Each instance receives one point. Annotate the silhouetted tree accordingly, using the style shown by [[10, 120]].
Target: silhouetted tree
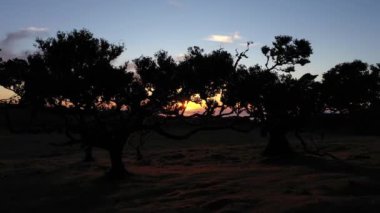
[[351, 87], [159, 78], [205, 75], [375, 86], [74, 72], [198, 77], [12, 76], [275, 101]]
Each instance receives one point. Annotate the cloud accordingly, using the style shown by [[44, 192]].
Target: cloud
[[131, 67], [179, 57], [36, 29], [22, 34], [224, 38], [7, 45]]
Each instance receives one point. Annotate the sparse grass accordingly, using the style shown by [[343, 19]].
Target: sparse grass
[[211, 172]]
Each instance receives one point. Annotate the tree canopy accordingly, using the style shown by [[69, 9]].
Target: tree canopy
[[351, 86]]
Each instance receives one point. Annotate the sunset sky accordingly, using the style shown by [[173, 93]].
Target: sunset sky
[[339, 30]]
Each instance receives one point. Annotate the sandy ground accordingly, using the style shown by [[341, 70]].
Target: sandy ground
[[211, 172]]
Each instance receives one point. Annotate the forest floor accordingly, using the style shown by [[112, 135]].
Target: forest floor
[[219, 171]]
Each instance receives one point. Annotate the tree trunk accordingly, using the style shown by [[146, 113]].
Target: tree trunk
[[278, 144], [117, 169], [9, 121], [115, 149], [88, 157]]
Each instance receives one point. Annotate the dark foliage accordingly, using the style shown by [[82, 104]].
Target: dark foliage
[[351, 87]]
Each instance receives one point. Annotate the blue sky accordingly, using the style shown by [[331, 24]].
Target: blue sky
[[339, 30]]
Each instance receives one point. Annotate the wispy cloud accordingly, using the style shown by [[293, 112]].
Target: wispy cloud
[[22, 34], [12, 38], [224, 38]]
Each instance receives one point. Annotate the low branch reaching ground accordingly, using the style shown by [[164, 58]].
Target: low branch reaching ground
[[161, 131], [313, 152]]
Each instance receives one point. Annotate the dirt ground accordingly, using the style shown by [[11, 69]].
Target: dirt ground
[[219, 171]]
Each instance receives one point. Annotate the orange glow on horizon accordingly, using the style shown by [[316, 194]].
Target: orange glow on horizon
[[192, 107], [6, 93]]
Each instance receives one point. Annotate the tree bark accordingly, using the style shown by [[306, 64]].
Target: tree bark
[[88, 156], [278, 144], [115, 149], [117, 169]]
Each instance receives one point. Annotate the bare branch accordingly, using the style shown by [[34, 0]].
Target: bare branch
[[241, 55]]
